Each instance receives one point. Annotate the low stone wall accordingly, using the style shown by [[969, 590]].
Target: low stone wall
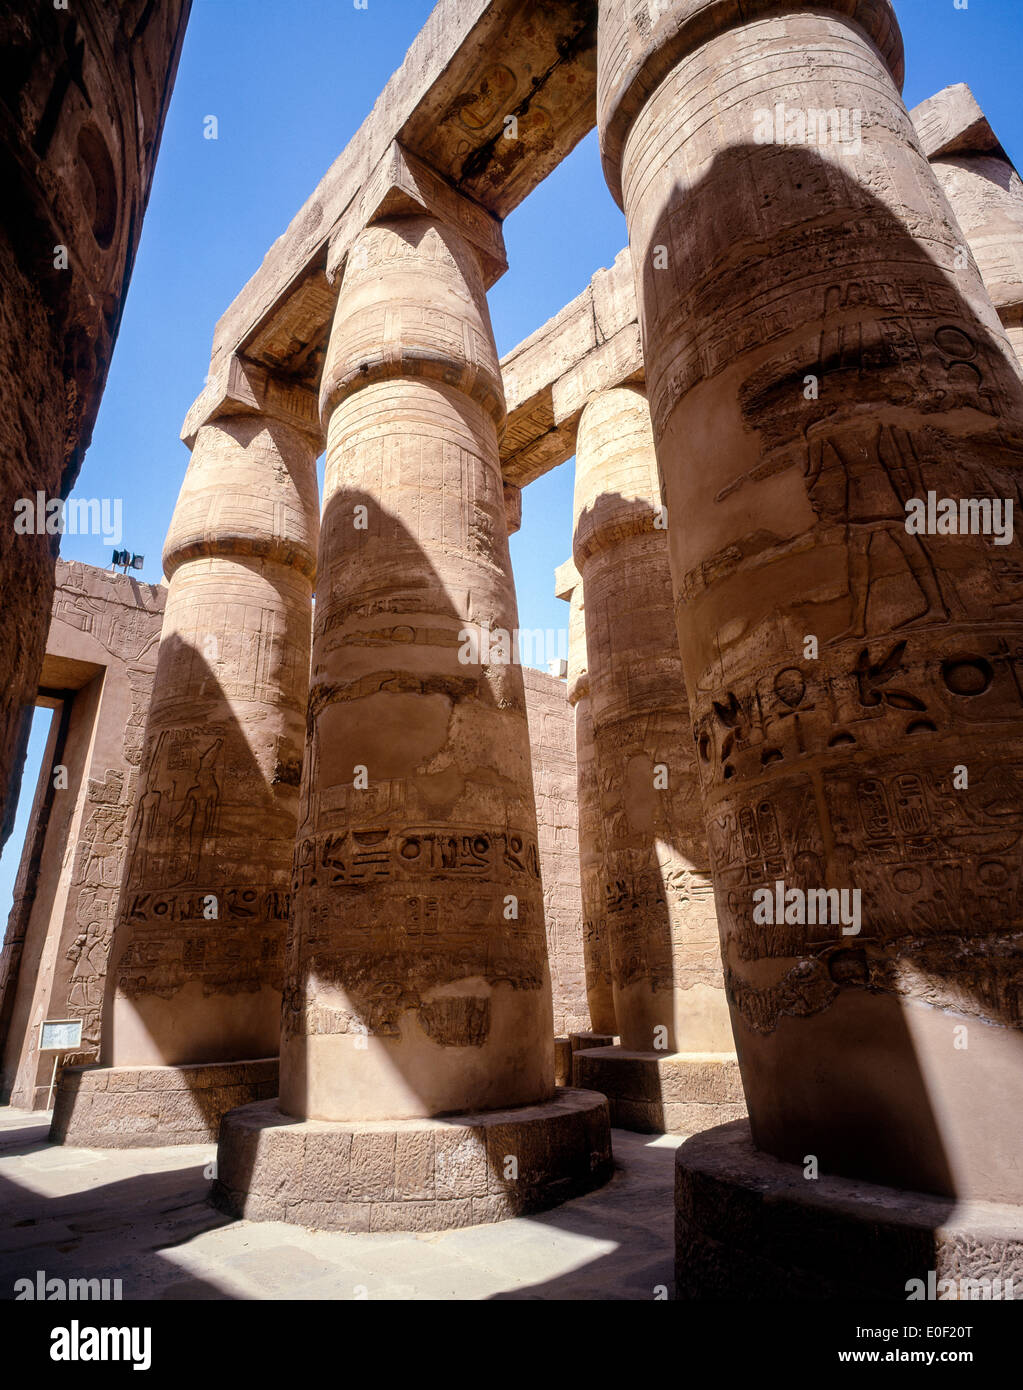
[[663, 1093], [748, 1226], [139, 1107]]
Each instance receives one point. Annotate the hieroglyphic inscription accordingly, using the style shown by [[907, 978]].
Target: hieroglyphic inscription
[[366, 925]]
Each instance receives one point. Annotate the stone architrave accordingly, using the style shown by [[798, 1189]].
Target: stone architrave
[[596, 953], [984, 191], [417, 976], [658, 909], [815, 361], [196, 968]]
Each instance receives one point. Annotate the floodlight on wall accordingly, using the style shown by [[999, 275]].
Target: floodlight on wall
[[126, 560]]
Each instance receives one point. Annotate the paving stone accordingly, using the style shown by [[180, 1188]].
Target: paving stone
[[122, 1214]]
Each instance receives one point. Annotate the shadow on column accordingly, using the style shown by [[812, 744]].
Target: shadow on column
[[195, 968], [371, 955], [839, 1037]]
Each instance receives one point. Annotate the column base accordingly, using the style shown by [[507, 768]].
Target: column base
[[749, 1226], [411, 1175], [147, 1107], [663, 1092], [580, 1041], [562, 1061]]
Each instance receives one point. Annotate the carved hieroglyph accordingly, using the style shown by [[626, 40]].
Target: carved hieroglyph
[[198, 957], [101, 653], [417, 968], [658, 896], [892, 1054], [596, 950]]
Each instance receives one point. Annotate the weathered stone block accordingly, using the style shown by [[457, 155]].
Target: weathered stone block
[[329, 1216], [371, 1174], [394, 1156], [325, 1167], [186, 1102], [663, 1093], [414, 1164], [461, 1162], [750, 1226], [562, 1062], [422, 1216]]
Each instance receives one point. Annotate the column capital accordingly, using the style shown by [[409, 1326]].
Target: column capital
[[617, 491], [413, 304], [639, 42], [403, 186], [249, 493], [241, 387]]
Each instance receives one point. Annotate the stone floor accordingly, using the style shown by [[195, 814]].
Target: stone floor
[[141, 1216]]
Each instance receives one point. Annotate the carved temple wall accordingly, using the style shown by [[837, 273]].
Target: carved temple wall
[[97, 676]]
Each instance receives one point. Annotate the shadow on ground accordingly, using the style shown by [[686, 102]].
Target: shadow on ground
[[72, 1215], [144, 1217]]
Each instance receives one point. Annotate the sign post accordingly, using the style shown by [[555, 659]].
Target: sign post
[[59, 1035]]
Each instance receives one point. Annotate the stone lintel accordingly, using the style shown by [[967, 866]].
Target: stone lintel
[[566, 578], [951, 122], [592, 345], [750, 1226], [473, 64], [615, 363], [415, 1174], [403, 185], [241, 387], [663, 1092]]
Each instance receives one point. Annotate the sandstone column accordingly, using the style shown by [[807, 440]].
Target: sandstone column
[[984, 191], [654, 875], [197, 962], [418, 983], [832, 764], [596, 953], [552, 752], [401, 922]]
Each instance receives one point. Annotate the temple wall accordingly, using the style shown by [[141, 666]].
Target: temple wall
[[98, 675]]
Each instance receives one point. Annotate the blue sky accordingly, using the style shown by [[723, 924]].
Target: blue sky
[[290, 81]]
